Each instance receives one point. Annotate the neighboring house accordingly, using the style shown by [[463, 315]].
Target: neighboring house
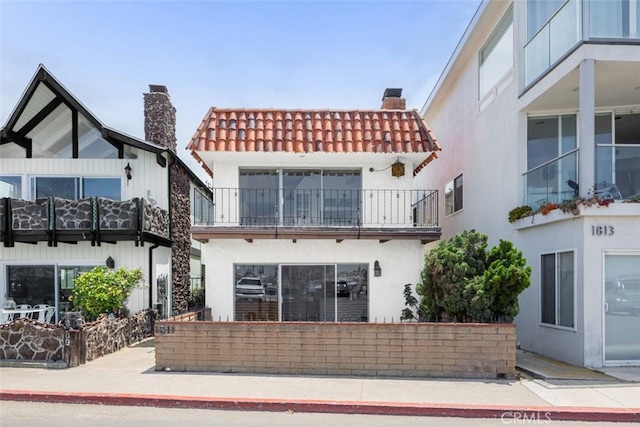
[[315, 213], [539, 103], [77, 194]]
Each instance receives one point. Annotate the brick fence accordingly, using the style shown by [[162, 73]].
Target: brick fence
[[360, 349]]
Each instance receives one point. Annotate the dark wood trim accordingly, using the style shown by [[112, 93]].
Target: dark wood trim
[[40, 116], [205, 233], [74, 134]]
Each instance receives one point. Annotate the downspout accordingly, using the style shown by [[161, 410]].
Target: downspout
[[151, 274]]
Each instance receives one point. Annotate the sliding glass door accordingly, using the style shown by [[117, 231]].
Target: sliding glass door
[[308, 293]]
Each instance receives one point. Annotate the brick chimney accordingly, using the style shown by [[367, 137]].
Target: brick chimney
[[159, 117], [392, 100]]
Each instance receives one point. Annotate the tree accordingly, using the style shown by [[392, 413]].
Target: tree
[[465, 282], [103, 291]]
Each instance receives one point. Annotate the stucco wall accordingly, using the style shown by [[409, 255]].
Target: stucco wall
[[401, 262], [407, 350]]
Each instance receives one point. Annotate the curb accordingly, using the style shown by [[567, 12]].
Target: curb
[[510, 413]]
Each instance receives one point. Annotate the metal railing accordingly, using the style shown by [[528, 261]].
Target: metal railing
[[253, 207]]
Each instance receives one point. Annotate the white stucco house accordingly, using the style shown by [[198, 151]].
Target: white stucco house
[[75, 193], [316, 216], [540, 103]]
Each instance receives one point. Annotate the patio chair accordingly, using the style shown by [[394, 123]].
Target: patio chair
[[42, 316], [23, 307], [6, 317], [51, 312]]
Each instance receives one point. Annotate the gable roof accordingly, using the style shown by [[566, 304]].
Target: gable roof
[[308, 131], [44, 94]]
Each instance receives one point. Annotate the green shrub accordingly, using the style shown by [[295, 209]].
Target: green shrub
[[464, 282], [519, 213], [103, 291]]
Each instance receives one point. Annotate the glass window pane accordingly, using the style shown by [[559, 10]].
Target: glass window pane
[[548, 286], [609, 18], [352, 292], [259, 197], [457, 193], [569, 138], [537, 55], [448, 198], [11, 186], [539, 12], [109, 188], [308, 293], [302, 197], [565, 289], [622, 309], [31, 284], [563, 31], [603, 129], [341, 197], [91, 145], [496, 58], [65, 188], [542, 140], [52, 136], [256, 292], [67, 275]]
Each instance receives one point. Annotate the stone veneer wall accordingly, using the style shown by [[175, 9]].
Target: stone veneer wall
[[29, 340], [369, 349], [160, 128], [25, 339]]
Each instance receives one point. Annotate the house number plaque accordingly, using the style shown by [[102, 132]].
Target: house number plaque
[[602, 230], [162, 330]]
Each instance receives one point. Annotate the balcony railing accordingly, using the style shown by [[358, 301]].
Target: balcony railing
[[242, 207], [93, 219]]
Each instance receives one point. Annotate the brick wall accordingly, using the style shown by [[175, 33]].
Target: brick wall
[[363, 349]]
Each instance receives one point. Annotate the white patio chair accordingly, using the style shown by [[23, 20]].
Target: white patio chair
[[51, 312], [42, 316], [23, 307], [6, 317]]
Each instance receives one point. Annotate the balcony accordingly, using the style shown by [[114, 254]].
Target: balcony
[[251, 213], [93, 219]]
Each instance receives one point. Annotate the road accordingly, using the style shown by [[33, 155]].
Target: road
[[18, 414]]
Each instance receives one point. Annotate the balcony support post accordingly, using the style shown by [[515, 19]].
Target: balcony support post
[[586, 127]]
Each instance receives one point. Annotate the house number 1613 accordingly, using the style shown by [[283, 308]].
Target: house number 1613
[[602, 230]]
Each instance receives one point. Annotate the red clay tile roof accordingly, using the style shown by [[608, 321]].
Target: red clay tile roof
[[307, 131]]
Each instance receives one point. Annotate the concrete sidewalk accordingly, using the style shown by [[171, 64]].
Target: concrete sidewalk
[[128, 378]]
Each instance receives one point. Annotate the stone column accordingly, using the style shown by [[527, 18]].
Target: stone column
[[160, 128]]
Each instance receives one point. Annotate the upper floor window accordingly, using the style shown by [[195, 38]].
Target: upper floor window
[[618, 19], [552, 154], [75, 188], [453, 195], [496, 57], [539, 12], [553, 27]]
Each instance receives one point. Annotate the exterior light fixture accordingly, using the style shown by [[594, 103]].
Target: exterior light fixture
[[377, 271], [127, 171], [110, 263]]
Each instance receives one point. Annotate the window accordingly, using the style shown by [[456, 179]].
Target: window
[[11, 186], [453, 196], [322, 293], [309, 196], [557, 283], [496, 57], [75, 188], [539, 12], [552, 155], [617, 138]]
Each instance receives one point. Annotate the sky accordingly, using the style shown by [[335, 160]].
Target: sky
[[251, 54]]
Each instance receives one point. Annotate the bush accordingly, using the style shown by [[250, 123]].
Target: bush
[[103, 291], [463, 282]]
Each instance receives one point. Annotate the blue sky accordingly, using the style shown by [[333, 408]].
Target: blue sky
[[265, 54]]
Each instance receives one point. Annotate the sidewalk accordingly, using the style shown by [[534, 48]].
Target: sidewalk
[[128, 378]]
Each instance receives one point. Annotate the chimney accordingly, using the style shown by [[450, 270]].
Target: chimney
[[392, 100], [159, 117]]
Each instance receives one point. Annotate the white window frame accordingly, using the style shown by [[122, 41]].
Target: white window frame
[[556, 325], [452, 185], [31, 179]]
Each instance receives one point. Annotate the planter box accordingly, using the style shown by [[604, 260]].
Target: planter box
[[426, 350]]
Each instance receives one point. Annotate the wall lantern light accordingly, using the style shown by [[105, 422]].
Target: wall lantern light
[[110, 263], [127, 171], [377, 271]]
